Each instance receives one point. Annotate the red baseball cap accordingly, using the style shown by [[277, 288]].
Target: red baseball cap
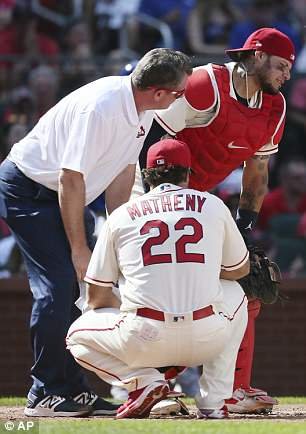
[[169, 152], [269, 40]]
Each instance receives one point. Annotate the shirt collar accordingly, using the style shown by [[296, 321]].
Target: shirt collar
[[166, 187], [128, 101]]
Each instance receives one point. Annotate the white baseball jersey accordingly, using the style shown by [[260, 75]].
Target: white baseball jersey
[[94, 130], [182, 115], [170, 245]]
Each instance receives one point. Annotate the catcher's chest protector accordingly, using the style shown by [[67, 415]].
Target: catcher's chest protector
[[233, 136]]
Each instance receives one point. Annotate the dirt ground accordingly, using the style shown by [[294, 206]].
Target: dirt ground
[[280, 412]]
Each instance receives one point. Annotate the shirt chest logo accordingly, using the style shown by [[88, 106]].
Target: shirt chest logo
[[141, 132]]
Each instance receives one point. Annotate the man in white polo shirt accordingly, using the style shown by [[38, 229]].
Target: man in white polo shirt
[[171, 245], [86, 144]]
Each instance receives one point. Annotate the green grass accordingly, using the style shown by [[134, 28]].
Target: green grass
[[12, 401], [19, 401], [292, 400], [156, 426]]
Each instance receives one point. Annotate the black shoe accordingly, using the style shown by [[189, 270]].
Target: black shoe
[[55, 406], [100, 407]]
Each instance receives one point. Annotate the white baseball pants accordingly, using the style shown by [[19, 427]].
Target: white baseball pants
[[124, 349]]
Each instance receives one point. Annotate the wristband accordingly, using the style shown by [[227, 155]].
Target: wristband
[[246, 219]]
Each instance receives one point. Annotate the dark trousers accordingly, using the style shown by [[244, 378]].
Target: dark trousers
[[32, 212]]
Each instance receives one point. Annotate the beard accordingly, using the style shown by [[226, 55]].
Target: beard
[[268, 88], [263, 79]]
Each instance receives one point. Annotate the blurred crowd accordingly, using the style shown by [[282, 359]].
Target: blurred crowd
[[49, 48]]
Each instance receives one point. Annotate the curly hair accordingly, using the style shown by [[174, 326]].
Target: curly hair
[[172, 174]]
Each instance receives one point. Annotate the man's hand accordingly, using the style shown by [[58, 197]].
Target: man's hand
[[80, 259]]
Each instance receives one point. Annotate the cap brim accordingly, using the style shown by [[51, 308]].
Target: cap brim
[[235, 54]]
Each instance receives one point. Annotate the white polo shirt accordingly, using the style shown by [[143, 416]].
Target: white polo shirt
[[95, 130], [170, 245]]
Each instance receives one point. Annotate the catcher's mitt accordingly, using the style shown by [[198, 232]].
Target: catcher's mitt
[[263, 280]]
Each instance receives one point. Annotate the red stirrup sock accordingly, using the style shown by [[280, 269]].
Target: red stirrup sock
[[245, 355]]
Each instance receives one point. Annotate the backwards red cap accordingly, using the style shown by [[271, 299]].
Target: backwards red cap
[[169, 152], [269, 40]]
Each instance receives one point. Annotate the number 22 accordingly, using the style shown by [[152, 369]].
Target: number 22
[[180, 245]]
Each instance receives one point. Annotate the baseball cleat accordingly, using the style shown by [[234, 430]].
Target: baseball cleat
[[99, 406], [170, 407], [55, 406], [141, 401], [250, 401], [166, 407], [221, 413], [119, 393]]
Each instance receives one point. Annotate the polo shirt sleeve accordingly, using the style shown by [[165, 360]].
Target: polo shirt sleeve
[[87, 140], [234, 253], [103, 269]]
